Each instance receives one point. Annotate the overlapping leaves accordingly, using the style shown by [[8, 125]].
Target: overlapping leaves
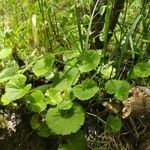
[[15, 89], [118, 87], [68, 79], [7, 73]]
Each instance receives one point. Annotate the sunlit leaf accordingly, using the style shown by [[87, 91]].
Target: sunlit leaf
[[111, 86], [65, 105], [86, 90], [107, 71], [5, 52], [54, 96], [66, 121], [42, 88], [86, 19], [102, 10], [68, 55], [141, 70], [69, 78], [118, 87], [7, 73], [44, 65], [5, 100], [16, 88]]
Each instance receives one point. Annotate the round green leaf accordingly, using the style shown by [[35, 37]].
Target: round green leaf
[[114, 123], [67, 103], [65, 122], [118, 87], [141, 70], [44, 65], [122, 90], [88, 61], [111, 86], [36, 121], [86, 90], [15, 88]]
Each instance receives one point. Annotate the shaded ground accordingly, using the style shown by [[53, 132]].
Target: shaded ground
[[135, 134], [23, 138]]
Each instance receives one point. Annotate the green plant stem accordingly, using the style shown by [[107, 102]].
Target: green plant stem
[[90, 24], [79, 27], [96, 117]]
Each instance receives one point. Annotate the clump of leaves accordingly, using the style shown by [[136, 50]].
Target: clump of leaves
[[15, 89], [65, 115]]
